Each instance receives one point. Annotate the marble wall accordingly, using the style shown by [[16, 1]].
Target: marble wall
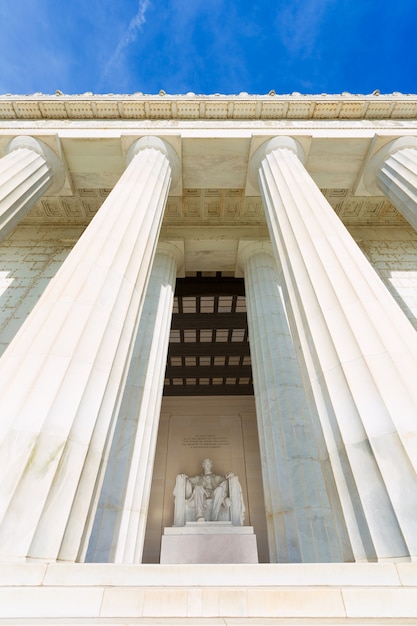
[[29, 258], [393, 254]]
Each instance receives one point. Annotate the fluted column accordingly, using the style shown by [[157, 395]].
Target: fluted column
[[27, 171], [393, 170], [301, 527], [360, 351], [119, 528], [60, 377]]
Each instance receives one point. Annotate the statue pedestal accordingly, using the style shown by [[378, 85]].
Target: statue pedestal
[[209, 542]]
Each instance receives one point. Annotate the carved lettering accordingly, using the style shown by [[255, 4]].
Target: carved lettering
[[206, 441]]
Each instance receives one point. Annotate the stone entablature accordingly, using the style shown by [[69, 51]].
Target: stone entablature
[[213, 206], [214, 107]]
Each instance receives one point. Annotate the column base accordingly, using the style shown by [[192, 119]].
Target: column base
[[209, 542]]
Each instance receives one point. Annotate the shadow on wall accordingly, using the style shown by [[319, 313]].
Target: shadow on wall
[[29, 258], [396, 264]]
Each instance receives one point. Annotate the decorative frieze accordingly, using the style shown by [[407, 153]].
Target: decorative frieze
[[192, 106], [226, 206]]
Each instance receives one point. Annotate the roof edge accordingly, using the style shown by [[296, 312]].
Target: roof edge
[[191, 106]]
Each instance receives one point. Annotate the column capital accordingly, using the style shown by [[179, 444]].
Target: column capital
[[156, 143], [377, 161], [248, 247], [51, 158], [276, 143], [175, 249]]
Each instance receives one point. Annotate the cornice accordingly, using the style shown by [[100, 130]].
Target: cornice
[[272, 106]]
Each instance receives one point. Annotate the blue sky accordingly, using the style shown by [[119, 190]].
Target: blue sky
[[208, 46]]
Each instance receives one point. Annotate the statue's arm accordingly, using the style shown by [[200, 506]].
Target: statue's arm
[[224, 481]]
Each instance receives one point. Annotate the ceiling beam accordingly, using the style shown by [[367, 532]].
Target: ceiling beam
[[210, 286], [208, 371], [208, 390], [200, 321], [209, 348]]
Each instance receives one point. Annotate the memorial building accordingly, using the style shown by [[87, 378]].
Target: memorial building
[[208, 372]]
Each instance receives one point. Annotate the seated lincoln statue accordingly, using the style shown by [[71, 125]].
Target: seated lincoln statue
[[208, 498]]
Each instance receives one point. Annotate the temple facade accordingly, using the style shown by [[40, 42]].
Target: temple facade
[[231, 278]]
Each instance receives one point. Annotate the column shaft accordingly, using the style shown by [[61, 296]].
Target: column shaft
[[26, 173], [60, 376], [119, 527], [361, 353], [300, 524], [397, 178]]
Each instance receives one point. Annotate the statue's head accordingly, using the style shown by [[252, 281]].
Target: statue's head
[[207, 464]]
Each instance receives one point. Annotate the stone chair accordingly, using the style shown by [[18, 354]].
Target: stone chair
[[232, 509]]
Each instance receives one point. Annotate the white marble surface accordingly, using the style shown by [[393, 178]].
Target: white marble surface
[[208, 547], [259, 575], [397, 178], [360, 352], [119, 528], [331, 594], [27, 171], [302, 519], [70, 356]]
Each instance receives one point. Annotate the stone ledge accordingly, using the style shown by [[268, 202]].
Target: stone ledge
[[217, 575], [254, 605], [351, 593], [208, 528]]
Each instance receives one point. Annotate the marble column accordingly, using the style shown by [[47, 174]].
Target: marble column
[[301, 526], [393, 170], [27, 171], [119, 527], [360, 353], [61, 376]]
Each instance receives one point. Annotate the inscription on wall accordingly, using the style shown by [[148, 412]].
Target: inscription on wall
[[205, 441]]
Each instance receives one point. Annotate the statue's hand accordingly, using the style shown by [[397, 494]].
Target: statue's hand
[[229, 475], [183, 475]]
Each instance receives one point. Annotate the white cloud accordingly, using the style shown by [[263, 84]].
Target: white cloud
[[299, 24], [130, 35]]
